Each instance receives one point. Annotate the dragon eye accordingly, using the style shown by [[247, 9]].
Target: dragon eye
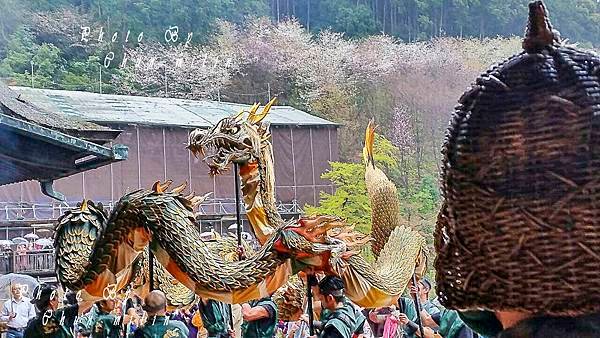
[[235, 129]]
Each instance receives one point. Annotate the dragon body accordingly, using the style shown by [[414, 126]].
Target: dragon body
[[96, 250], [247, 142], [178, 295], [383, 196], [92, 256]]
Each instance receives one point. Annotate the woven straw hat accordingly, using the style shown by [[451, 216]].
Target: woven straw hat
[[520, 225]]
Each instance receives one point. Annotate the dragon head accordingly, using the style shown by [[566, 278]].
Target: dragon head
[[232, 139]]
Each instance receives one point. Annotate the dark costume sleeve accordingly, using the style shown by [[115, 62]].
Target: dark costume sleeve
[[139, 333], [128, 305], [71, 311], [331, 332], [465, 332], [360, 322], [270, 309]]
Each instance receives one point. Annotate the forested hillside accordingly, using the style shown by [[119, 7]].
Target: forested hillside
[[409, 20]]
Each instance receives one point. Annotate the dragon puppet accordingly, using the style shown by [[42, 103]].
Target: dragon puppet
[[98, 251], [76, 235], [246, 140]]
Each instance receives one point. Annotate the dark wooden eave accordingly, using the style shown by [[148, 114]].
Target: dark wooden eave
[[32, 147]]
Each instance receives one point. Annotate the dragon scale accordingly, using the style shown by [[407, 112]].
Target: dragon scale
[[258, 193], [383, 195]]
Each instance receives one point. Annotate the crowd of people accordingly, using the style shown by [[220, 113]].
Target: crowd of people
[[335, 316], [26, 256]]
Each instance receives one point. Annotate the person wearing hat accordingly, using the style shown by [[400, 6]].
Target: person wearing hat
[[325, 313], [209, 236], [339, 320], [51, 321], [232, 230], [106, 324], [517, 237], [17, 312], [260, 318], [424, 287], [158, 324]]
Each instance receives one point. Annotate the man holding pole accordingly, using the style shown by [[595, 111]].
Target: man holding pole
[[17, 311], [260, 318], [214, 316]]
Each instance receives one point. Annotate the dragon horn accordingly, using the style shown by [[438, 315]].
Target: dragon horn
[[179, 188], [157, 188], [259, 117], [166, 185], [196, 200], [253, 109], [84, 205], [238, 117], [252, 112]]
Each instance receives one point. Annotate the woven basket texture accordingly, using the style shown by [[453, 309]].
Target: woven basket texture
[[520, 225]]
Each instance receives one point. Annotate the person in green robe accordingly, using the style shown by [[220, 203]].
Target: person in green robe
[[260, 318], [451, 326], [158, 324], [424, 287], [214, 316], [408, 316], [85, 323], [446, 323], [51, 321], [359, 317], [338, 318], [106, 325]]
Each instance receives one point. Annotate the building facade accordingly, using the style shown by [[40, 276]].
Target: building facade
[[156, 132]]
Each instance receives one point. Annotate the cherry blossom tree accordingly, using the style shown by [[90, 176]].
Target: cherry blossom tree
[[181, 71], [409, 88]]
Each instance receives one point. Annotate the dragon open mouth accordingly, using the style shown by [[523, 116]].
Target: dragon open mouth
[[234, 139], [218, 151]]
